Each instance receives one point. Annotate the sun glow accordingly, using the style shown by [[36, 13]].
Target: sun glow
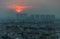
[[17, 8]]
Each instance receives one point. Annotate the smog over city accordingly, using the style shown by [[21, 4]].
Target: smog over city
[[29, 19], [38, 6]]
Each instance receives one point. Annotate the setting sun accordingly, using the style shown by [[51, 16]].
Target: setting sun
[[17, 8]]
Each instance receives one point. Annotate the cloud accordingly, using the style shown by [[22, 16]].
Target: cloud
[[34, 3], [17, 8]]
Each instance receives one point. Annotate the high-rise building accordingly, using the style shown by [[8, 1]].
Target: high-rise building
[[42, 18]]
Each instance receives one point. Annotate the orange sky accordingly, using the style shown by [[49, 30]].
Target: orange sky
[[16, 5], [17, 8]]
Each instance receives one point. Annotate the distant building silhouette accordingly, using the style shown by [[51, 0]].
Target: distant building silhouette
[[41, 18]]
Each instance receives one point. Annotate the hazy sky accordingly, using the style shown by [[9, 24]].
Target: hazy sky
[[38, 7]]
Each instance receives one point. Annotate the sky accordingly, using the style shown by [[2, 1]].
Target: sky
[[38, 7]]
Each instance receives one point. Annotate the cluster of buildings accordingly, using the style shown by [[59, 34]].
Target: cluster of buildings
[[28, 31], [33, 26], [20, 17]]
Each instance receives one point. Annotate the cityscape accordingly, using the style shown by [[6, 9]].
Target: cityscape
[[29, 19], [32, 26]]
